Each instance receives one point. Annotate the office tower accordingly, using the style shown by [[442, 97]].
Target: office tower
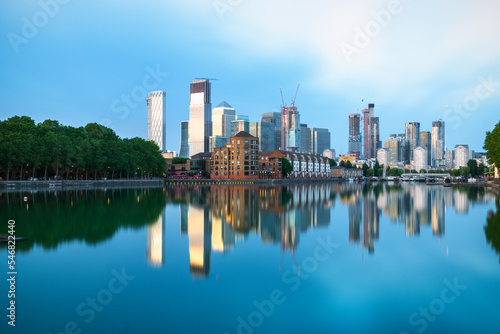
[[156, 241], [393, 147], [449, 157], [371, 132], [383, 156], [329, 153], [184, 150], [265, 132], [412, 136], [222, 116], [200, 116], [461, 156], [216, 141], [305, 139], [157, 119], [471, 155], [425, 141], [354, 134], [290, 128], [320, 140], [420, 158], [275, 119], [438, 143], [241, 123]]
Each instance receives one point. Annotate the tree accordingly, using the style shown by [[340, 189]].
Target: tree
[[342, 163], [422, 171], [370, 172], [365, 169], [376, 168], [179, 161], [348, 164], [492, 145], [472, 164], [333, 163], [286, 167]]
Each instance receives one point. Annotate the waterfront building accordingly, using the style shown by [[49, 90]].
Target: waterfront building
[[200, 116], [354, 134], [320, 140], [449, 158], [346, 173], [184, 150], [157, 122], [420, 158], [461, 156], [412, 137], [238, 160], [305, 139], [438, 143], [290, 128], [426, 142], [383, 156]]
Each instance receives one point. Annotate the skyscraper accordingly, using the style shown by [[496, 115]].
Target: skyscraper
[[222, 116], [354, 134], [320, 140], [157, 119], [461, 156], [241, 123], [412, 137], [438, 143], [275, 119], [371, 132], [420, 158], [184, 150], [305, 139], [265, 132], [290, 128], [425, 142], [383, 156], [200, 116]]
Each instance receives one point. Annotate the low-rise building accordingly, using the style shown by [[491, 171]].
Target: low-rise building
[[346, 173], [270, 165]]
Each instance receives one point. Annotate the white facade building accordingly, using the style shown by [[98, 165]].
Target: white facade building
[[157, 119], [461, 156], [420, 156]]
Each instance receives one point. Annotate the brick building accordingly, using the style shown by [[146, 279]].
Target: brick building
[[238, 160], [270, 165]]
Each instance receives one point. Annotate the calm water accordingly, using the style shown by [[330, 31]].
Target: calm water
[[318, 258]]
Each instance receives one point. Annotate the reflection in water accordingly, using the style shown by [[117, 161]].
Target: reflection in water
[[156, 242], [216, 218]]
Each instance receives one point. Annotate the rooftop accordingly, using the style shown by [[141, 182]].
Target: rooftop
[[224, 104]]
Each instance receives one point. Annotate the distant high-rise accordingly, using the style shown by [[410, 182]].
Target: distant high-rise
[[290, 128], [371, 132], [354, 134], [265, 132], [383, 156], [420, 158], [412, 136], [320, 140], [200, 116], [305, 139], [222, 116], [184, 150], [438, 143], [425, 142], [461, 156], [449, 158], [275, 119], [157, 119], [241, 123]]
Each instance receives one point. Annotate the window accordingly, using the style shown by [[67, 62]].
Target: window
[[238, 142], [246, 141]]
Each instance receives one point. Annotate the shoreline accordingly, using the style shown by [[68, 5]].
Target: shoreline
[[79, 184]]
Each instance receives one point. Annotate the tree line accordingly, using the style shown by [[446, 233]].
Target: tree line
[[50, 149]]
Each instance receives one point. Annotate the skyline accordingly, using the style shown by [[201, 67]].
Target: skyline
[[77, 73]]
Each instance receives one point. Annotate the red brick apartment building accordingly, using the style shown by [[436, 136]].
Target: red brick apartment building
[[239, 160]]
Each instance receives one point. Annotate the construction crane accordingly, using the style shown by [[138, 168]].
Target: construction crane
[[295, 98], [283, 116]]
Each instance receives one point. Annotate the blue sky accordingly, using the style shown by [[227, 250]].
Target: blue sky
[[416, 60]]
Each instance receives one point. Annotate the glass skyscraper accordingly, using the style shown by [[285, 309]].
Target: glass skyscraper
[[200, 116], [184, 150], [438, 143], [157, 119]]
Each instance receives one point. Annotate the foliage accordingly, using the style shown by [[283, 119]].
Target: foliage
[[492, 229], [179, 161], [333, 163], [492, 145], [365, 169], [286, 167], [27, 148], [473, 168]]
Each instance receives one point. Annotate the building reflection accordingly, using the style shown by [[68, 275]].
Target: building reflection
[[155, 252], [217, 218]]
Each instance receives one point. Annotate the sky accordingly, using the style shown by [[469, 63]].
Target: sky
[[81, 62]]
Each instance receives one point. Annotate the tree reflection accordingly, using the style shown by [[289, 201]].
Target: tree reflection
[[492, 229]]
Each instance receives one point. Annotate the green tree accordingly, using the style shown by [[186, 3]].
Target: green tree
[[348, 164], [180, 161], [365, 169], [333, 163], [492, 229], [342, 163], [286, 167], [370, 172], [492, 145], [472, 164]]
